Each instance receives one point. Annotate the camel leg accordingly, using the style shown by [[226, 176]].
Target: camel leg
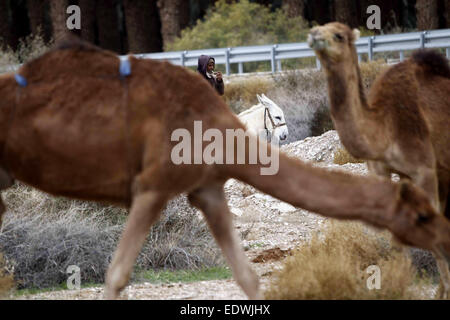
[[444, 287], [379, 168], [444, 273], [144, 212], [444, 197], [2, 211], [427, 179], [211, 201], [6, 181]]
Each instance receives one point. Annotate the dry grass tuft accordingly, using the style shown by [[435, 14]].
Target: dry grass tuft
[[342, 156], [333, 266], [370, 70], [28, 48], [6, 278], [241, 94], [42, 235]]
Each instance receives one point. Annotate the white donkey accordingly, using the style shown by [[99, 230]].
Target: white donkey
[[265, 119]]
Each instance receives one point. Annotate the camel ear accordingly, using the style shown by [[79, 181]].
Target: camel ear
[[356, 34]]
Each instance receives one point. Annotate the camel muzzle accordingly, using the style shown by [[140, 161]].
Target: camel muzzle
[[315, 42]]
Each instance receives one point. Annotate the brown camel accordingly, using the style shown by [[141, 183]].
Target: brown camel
[[402, 126], [78, 129]]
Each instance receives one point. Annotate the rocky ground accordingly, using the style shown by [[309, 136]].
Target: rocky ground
[[268, 228]]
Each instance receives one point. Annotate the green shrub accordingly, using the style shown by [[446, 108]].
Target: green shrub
[[243, 23]]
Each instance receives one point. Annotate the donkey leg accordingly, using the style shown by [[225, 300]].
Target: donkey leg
[[211, 201], [145, 210]]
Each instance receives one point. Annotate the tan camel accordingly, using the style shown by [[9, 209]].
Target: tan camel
[[402, 126], [78, 129]]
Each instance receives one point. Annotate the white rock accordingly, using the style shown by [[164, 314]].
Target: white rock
[[236, 211], [284, 207]]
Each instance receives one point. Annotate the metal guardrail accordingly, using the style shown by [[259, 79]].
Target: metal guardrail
[[277, 52]]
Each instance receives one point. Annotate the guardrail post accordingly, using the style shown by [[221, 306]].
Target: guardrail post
[[402, 56], [279, 65], [182, 58], [359, 58], [227, 61], [272, 58], [318, 64], [422, 39], [370, 51], [241, 67]]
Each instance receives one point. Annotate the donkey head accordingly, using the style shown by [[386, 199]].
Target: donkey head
[[274, 118]]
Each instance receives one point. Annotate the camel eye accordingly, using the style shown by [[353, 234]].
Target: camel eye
[[338, 37], [422, 217]]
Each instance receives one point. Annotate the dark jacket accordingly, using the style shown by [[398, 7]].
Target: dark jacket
[[201, 68]]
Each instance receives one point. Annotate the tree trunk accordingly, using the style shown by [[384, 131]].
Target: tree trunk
[[59, 17], [427, 14], [143, 26], [345, 12], [446, 13], [5, 25], [294, 8], [319, 11], [174, 16], [108, 25], [36, 15], [88, 20]]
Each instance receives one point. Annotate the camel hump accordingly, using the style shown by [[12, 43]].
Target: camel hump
[[71, 57], [71, 42], [432, 61]]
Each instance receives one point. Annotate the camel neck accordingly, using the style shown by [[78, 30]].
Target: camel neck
[[349, 108]]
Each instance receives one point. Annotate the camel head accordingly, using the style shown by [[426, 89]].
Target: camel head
[[333, 42], [277, 114], [416, 223]]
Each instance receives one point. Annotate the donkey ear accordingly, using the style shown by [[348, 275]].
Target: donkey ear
[[356, 34], [259, 99], [265, 99]]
